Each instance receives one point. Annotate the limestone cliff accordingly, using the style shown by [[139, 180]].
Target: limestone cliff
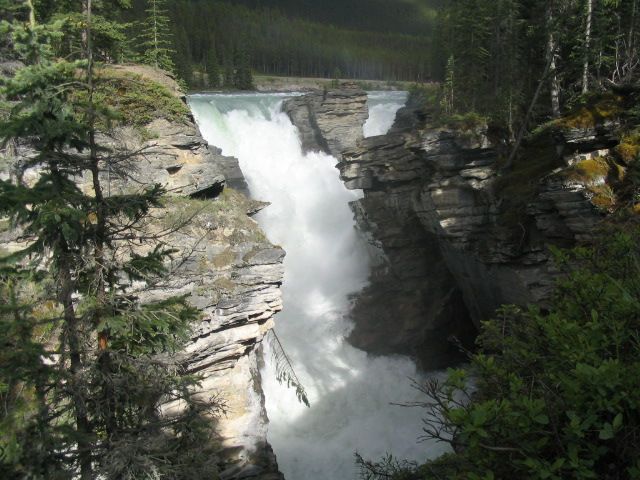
[[493, 226], [461, 234], [223, 262], [331, 120]]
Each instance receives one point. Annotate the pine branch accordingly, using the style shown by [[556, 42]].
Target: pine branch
[[284, 368]]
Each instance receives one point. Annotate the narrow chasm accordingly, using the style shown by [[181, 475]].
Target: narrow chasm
[[351, 393]]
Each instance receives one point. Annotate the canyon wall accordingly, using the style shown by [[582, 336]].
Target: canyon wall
[[223, 263], [461, 234]]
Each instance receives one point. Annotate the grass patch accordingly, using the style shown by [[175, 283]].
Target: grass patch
[[629, 147], [589, 171], [594, 111], [137, 101]]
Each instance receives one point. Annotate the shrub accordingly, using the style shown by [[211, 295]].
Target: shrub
[[555, 394]]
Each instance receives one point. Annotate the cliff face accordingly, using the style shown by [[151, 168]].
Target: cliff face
[[223, 262], [412, 304], [461, 235], [228, 269], [493, 227], [329, 121]]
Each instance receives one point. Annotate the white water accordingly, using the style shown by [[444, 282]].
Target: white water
[[350, 392], [383, 107]]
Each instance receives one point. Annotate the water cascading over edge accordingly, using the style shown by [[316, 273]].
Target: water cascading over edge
[[350, 392]]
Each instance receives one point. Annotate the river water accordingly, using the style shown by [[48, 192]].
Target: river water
[[351, 393]]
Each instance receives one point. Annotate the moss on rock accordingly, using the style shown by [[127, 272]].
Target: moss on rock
[[138, 100]]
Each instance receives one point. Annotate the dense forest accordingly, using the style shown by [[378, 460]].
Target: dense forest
[[513, 59], [280, 44]]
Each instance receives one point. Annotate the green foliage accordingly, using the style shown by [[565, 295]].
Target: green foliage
[[282, 44], [213, 69], [136, 100], [83, 380], [154, 42], [551, 395], [502, 55], [109, 37], [243, 78]]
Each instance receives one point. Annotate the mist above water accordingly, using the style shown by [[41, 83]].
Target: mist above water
[[350, 392]]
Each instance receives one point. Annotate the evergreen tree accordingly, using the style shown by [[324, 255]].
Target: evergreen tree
[[243, 78], [229, 71], [183, 62], [155, 39], [90, 390], [213, 68]]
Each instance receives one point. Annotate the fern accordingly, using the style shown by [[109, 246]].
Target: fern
[[284, 369]]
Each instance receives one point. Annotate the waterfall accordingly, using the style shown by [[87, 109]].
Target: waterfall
[[327, 262], [382, 111]]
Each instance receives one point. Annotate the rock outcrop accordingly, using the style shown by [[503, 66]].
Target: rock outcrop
[[461, 235], [223, 263], [232, 274], [329, 121], [494, 244], [228, 270]]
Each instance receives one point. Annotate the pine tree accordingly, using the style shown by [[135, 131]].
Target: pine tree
[[213, 68], [92, 409], [243, 77], [155, 39], [183, 59], [229, 71]]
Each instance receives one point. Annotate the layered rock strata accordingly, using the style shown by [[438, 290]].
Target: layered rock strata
[[461, 235], [228, 269], [330, 121], [497, 251], [223, 263]]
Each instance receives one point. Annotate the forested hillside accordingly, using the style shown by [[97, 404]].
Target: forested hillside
[[511, 59], [412, 17], [279, 43]]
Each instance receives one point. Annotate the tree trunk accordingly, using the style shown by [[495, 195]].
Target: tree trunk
[[100, 231], [631, 49], [75, 361], [551, 59], [587, 47], [32, 13]]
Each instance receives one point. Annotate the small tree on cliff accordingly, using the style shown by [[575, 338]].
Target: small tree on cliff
[[155, 38], [88, 367]]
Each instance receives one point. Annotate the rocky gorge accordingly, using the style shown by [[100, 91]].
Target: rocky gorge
[[461, 234], [457, 234]]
